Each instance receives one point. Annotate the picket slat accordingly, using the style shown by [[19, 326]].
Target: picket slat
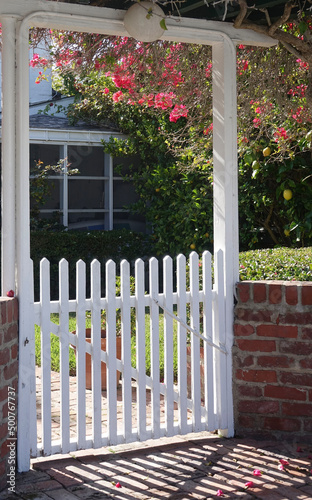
[[154, 344], [111, 352], [140, 349], [168, 345], [45, 354], [64, 354], [195, 342], [126, 349], [81, 352], [197, 393], [96, 352], [32, 377], [208, 350], [182, 343]]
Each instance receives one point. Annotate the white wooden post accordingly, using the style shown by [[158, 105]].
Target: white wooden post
[[8, 153], [225, 187]]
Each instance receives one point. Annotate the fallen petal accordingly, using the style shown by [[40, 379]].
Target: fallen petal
[[257, 472], [249, 484], [118, 485], [281, 466], [219, 493]]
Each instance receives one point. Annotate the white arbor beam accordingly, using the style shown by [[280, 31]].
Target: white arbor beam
[[225, 191]]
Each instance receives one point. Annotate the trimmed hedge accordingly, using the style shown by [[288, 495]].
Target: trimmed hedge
[[75, 245], [285, 264]]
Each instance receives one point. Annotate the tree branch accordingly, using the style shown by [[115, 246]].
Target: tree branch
[[283, 19]]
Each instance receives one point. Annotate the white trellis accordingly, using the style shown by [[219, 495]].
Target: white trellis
[[17, 16]]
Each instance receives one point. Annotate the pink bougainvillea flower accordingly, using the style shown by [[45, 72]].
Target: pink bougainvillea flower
[[284, 462], [280, 466], [219, 493], [257, 472], [118, 485], [249, 484]]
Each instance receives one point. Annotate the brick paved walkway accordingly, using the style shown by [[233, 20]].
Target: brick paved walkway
[[192, 467]]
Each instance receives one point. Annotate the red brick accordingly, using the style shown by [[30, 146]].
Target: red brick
[[291, 294], [274, 391], [256, 345], [297, 409], [299, 348], [275, 293], [277, 331], [243, 292], [258, 406], [15, 311], [299, 379], [306, 294], [241, 362], [3, 430], [4, 357], [307, 426], [243, 330], [281, 424], [10, 370], [306, 363], [256, 375], [10, 310], [250, 391], [3, 311], [246, 421], [10, 333], [259, 292], [306, 333], [14, 351], [275, 361], [251, 315], [297, 318]]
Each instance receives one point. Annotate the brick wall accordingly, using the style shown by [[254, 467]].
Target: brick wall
[[8, 379], [272, 359]]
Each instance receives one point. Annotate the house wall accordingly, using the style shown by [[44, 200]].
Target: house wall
[[272, 361], [8, 387]]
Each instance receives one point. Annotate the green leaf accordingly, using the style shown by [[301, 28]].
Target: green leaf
[[302, 27], [163, 24]]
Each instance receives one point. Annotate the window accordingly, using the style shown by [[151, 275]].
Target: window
[[95, 197]]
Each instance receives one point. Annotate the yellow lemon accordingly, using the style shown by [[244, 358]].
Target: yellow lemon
[[286, 232], [266, 151], [287, 193], [192, 246]]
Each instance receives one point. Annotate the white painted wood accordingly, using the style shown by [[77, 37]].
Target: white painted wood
[[154, 345], [126, 349], [81, 352], [110, 22], [207, 333], [96, 352], [182, 343], [45, 355], [111, 351], [168, 344], [64, 354], [195, 342], [140, 349], [8, 61], [225, 186], [32, 368]]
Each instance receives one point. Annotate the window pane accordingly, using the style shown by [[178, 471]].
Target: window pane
[[52, 200], [121, 165], [85, 193], [89, 160], [88, 221], [124, 194], [49, 154], [133, 222]]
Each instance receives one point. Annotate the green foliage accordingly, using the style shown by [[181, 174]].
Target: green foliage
[[75, 245], [285, 264]]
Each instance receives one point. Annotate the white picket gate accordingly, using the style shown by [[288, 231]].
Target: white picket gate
[[193, 401]]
